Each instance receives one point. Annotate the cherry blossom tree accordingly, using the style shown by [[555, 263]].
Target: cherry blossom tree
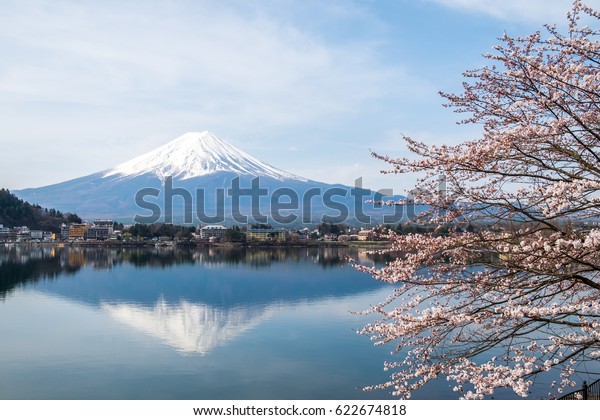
[[496, 306]]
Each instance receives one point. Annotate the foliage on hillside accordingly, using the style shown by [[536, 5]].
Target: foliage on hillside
[[16, 212], [140, 230]]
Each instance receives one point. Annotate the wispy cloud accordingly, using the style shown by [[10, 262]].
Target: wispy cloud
[[539, 11], [220, 63]]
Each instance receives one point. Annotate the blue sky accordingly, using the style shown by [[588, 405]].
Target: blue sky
[[308, 86]]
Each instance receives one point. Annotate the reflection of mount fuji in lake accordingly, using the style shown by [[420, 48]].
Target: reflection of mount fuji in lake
[[189, 327], [191, 300]]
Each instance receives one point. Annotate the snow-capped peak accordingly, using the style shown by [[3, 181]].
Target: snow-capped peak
[[197, 154]]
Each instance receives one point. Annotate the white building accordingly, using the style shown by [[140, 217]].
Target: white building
[[64, 231], [100, 230], [37, 234], [212, 231]]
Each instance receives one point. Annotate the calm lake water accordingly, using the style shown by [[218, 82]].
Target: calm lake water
[[81, 323], [203, 324]]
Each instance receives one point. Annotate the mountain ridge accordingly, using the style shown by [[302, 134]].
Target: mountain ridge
[[196, 154], [199, 172]]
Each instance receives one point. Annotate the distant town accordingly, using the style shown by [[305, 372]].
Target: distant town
[[163, 234], [25, 223]]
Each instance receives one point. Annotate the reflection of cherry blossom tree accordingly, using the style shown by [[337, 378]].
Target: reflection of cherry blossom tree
[[520, 295]]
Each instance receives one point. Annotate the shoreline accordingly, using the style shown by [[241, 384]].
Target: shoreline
[[197, 244]]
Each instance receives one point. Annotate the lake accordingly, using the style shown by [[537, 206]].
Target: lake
[[214, 323], [207, 323]]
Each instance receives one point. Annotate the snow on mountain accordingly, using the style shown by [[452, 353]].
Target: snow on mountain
[[197, 154], [201, 164]]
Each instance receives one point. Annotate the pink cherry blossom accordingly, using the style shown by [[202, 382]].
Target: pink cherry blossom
[[519, 295]]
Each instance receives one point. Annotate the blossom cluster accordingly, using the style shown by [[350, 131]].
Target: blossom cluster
[[520, 295]]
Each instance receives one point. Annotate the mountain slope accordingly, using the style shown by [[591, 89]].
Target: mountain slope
[[198, 175], [197, 154]]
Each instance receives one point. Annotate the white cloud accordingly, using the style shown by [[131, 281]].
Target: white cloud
[[213, 61], [539, 11]]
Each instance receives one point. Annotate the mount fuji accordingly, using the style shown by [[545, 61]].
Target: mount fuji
[[196, 155], [200, 174]]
